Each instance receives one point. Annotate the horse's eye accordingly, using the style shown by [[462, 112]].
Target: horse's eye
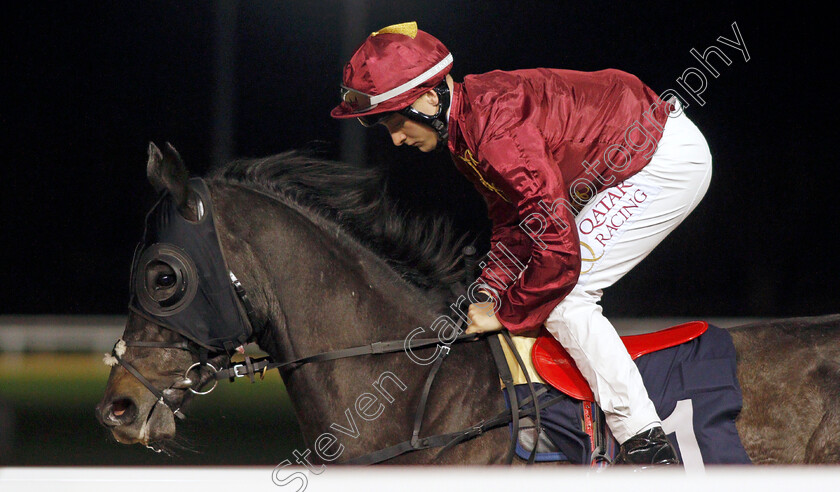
[[165, 280]]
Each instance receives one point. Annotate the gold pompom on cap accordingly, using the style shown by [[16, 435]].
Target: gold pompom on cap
[[406, 28]]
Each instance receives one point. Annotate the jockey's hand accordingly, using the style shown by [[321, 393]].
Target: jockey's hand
[[482, 318]]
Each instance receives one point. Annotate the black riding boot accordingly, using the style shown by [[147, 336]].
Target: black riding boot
[[646, 449]]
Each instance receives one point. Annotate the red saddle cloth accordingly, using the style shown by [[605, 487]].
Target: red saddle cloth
[[557, 368]]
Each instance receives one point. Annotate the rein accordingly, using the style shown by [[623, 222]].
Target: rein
[[416, 443], [253, 366]]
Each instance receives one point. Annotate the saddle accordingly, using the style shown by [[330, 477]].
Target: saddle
[[556, 367]]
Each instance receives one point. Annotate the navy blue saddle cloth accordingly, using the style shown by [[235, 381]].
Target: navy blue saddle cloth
[[694, 387]]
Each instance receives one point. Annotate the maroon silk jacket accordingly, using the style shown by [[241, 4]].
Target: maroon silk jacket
[[544, 141]]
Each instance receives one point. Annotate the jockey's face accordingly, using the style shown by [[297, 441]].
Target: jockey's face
[[410, 132]]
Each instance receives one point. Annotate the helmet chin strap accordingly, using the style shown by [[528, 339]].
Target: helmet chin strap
[[438, 120]]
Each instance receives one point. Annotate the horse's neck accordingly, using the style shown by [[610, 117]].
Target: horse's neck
[[314, 277], [334, 294]]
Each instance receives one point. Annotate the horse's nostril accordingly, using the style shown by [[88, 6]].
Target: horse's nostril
[[122, 411], [120, 406]]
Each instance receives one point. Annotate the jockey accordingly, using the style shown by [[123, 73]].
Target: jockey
[[583, 175]]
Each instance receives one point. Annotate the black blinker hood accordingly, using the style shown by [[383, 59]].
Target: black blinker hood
[[199, 300]]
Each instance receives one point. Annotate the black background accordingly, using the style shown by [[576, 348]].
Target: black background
[[88, 85]]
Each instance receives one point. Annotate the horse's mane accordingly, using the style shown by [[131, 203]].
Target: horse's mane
[[424, 251]]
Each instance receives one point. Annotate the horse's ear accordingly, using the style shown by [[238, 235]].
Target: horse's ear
[[166, 171]]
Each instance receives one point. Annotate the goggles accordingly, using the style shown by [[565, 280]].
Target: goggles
[[360, 102]]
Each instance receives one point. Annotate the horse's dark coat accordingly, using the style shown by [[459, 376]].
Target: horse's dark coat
[[790, 378], [307, 239]]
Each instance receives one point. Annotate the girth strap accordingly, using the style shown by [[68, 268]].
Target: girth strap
[[424, 396], [507, 381]]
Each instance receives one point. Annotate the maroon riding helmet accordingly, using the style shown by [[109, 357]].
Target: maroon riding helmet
[[389, 71]]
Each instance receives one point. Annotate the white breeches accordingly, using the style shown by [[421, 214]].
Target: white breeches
[[617, 229]]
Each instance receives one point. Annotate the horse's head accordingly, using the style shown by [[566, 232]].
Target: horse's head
[[289, 220], [174, 333]]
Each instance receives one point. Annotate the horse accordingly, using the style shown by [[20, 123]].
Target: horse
[[329, 262]]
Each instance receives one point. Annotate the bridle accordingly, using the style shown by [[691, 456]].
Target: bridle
[[251, 367]]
